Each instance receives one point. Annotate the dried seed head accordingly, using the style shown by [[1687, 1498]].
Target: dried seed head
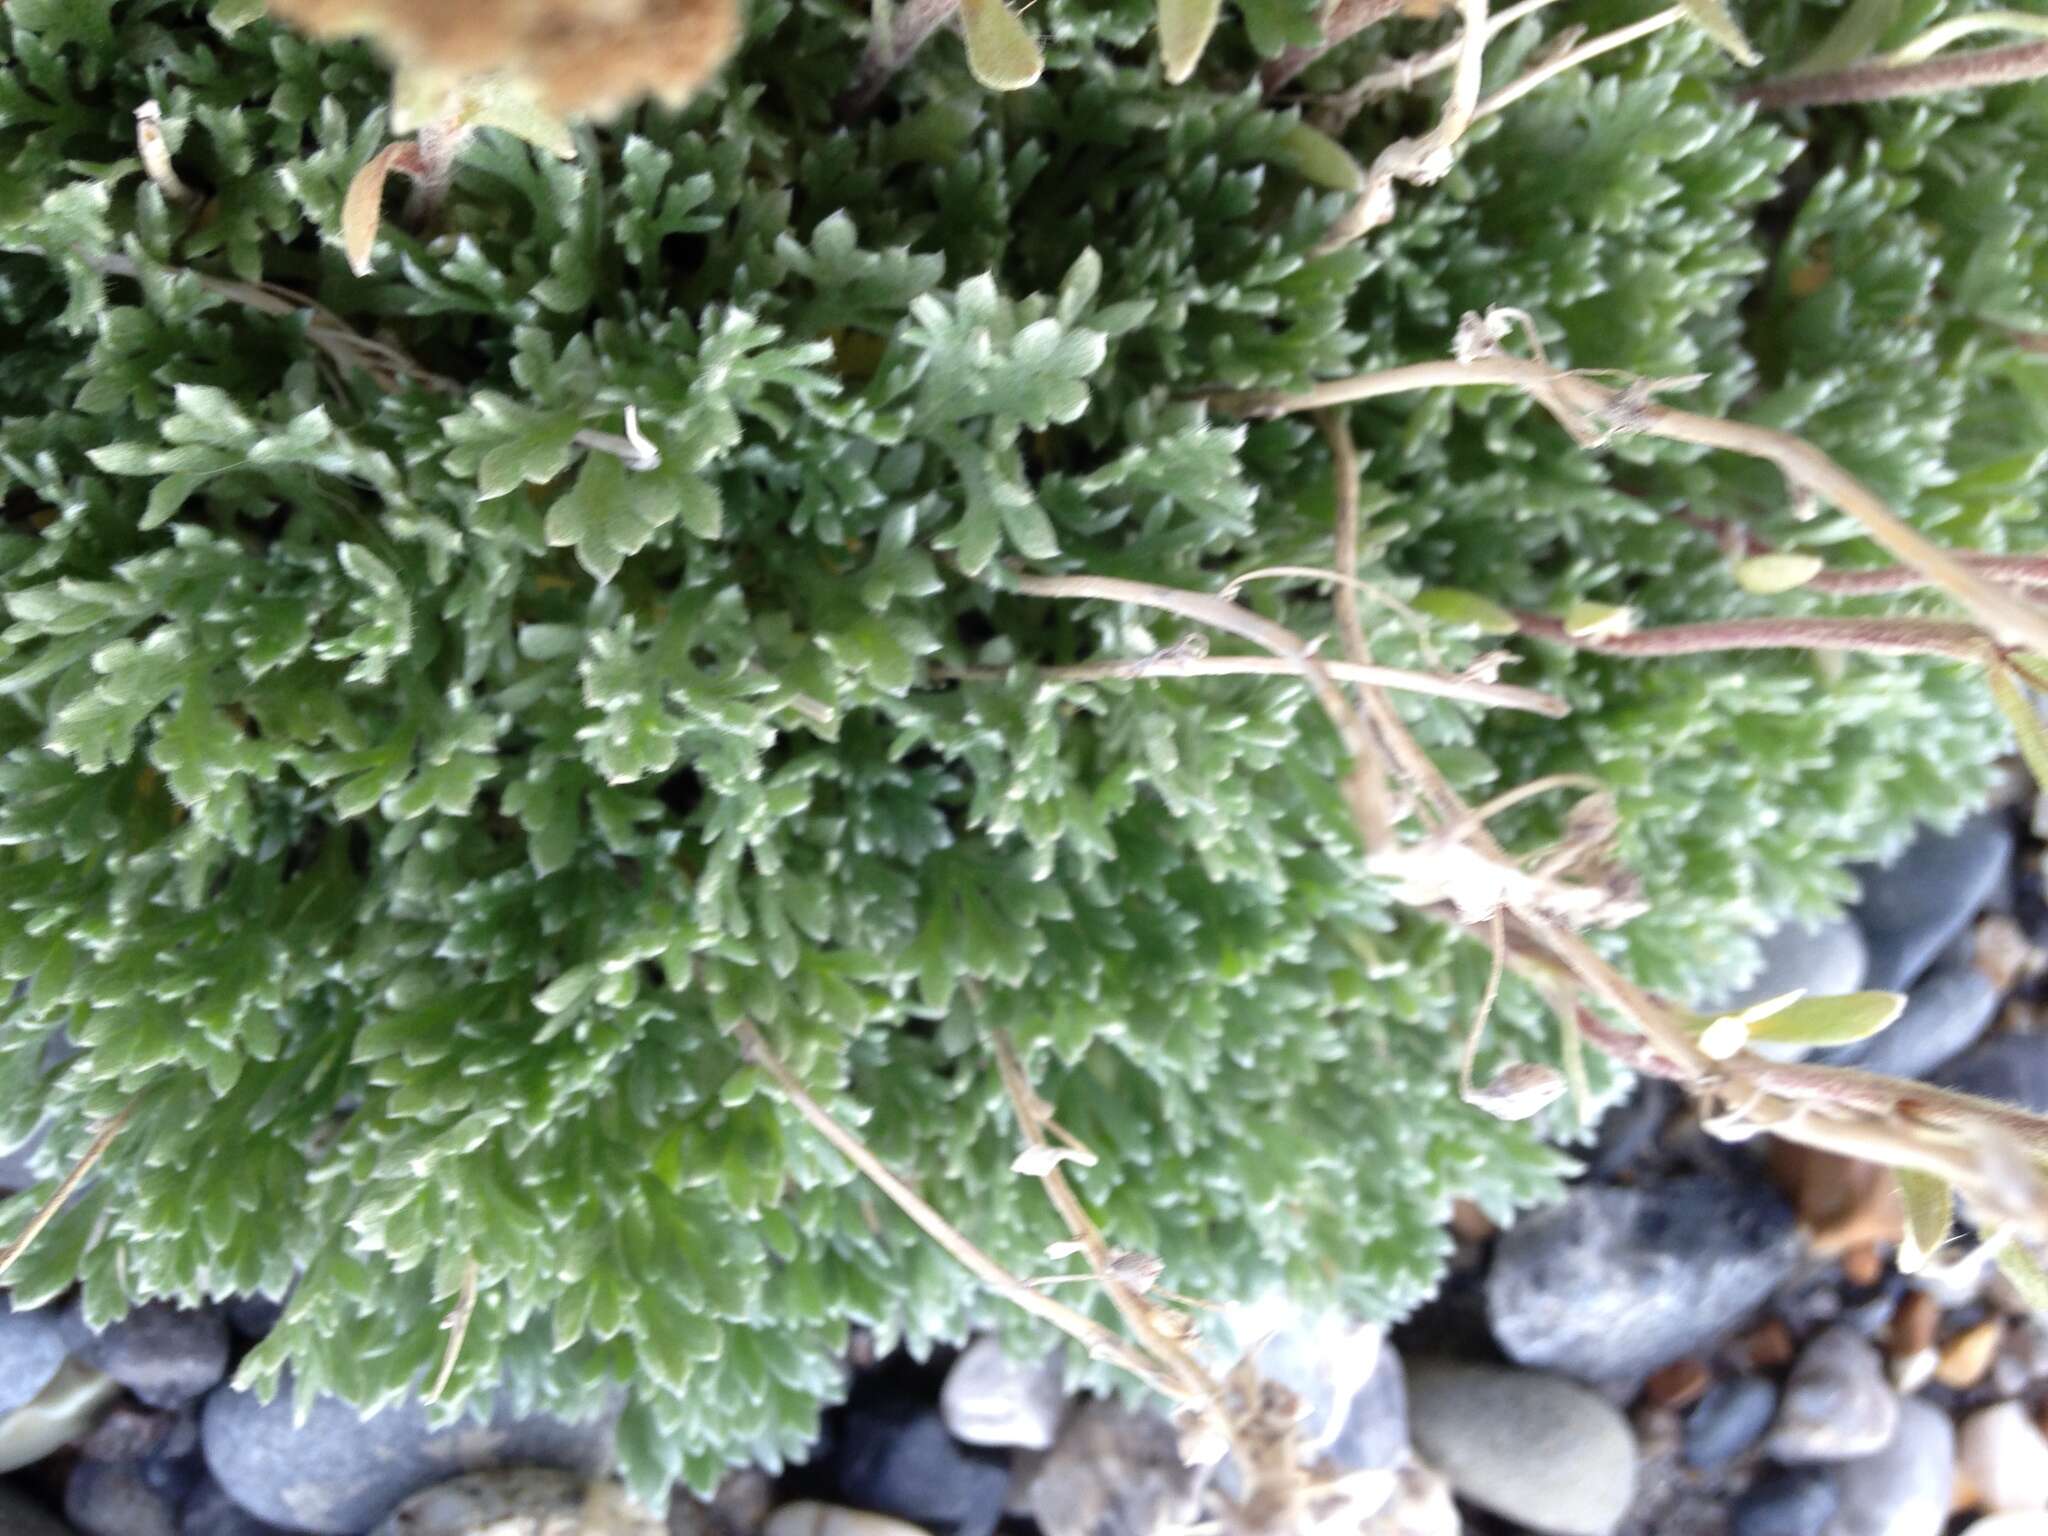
[[1519, 1090], [585, 58]]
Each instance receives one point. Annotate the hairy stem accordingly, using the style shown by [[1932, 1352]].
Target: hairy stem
[[909, 27], [1879, 80], [1872, 637]]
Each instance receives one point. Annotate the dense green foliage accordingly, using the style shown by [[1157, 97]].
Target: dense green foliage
[[399, 803]]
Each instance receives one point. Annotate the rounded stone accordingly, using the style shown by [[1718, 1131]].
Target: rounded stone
[[1800, 1503], [341, 1472], [1904, 1489], [990, 1399], [1534, 1448], [31, 1349], [164, 1354], [1913, 905], [1730, 1419], [520, 1501], [2004, 1457], [1614, 1283], [1837, 1403]]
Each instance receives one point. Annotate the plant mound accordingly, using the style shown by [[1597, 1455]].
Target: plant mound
[[405, 792]]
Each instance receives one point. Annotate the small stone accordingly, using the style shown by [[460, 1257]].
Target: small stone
[[1902, 1490], [210, 1512], [1375, 1430], [252, 1317], [1532, 1447], [341, 1472], [63, 1411], [1797, 1503], [1820, 959], [520, 1501], [893, 1455], [1916, 903], [117, 1499], [1909, 1373], [1678, 1385], [1728, 1421], [1616, 1282], [1863, 1265], [31, 1349], [2004, 1457], [1946, 1013], [164, 1354], [1769, 1345], [1913, 1325], [1841, 1201], [990, 1399], [18, 1517], [2010, 1068], [1966, 1358], [811, 1519], [131, 1433], [1631, 1128], [1114, 1471], [1837, 1404], [738, 1507]]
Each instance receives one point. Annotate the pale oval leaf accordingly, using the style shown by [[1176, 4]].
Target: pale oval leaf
[[1768, 575], [2023, 1269], [1184, 28], [1830, 1020], [1454, 605], [1598, 621], [1001, 51], [1714, 18], [1321, 159], [1930, 1209]]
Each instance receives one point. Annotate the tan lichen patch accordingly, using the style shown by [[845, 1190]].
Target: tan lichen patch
[[584, 58]]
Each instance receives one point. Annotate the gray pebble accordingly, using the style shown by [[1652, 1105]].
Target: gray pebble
[[164, 1354], [1535, 1448], [1730, 1419], [210, 1512], [1902, 1490], [1822, 959], [340, 1473], [1837, 1402], [1913, 906], [1797, 1503], [103, 1498], [1617, 1282], [31, 1349]]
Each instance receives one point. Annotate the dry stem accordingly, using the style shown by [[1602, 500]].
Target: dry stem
[[1167, 664], [47, 1212], [2011, 620], [1100, 1342], [1872, 636], [1880, 80]]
